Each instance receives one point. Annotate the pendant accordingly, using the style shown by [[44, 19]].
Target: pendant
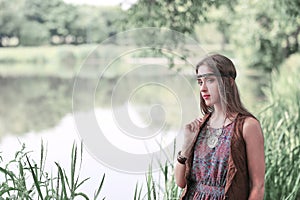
[[219, 132], [212, 141]]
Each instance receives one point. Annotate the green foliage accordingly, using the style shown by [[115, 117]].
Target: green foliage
[[264, 33], [160, 189], [177, 15], [36, 22], [39, 36], [93, 24], [281, 125], [11, 17], [26, 179], [55, 15]]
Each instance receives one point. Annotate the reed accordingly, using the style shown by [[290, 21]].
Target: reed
[[24, 178], [281, 126], [161, 185]]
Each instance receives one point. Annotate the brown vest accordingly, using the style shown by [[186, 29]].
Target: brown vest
[[237, 179]]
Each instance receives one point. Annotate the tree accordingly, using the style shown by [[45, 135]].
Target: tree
[[11, 19], [36, 22], [39, 36], [177, 15], [94, 24], [53, 15], [264, 33]]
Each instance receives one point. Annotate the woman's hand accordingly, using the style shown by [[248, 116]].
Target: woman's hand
[[190, 132]]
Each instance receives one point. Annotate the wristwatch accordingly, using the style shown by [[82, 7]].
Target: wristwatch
[[181, 159]]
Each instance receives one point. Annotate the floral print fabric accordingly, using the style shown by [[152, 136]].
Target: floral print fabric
[[209, 167]]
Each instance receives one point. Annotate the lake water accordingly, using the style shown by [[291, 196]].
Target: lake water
[[139, 117], [59, 140]]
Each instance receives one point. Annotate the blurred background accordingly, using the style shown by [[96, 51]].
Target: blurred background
[[43, 44]]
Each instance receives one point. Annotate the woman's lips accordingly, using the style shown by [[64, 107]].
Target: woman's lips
[[206, 96]]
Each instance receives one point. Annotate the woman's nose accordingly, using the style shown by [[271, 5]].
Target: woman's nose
[[203, 87]]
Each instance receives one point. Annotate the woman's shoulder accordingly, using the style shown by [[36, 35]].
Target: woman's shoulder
[[250, 118], [247, 119], [251, 127]]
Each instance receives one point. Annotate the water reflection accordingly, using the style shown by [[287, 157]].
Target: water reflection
[[37, 103], [32, 103]]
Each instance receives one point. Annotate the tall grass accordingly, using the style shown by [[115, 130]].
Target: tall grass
[[281, 126], [24, 178], [162, 186]]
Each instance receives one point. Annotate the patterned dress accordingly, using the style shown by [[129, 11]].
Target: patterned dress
[[209, 167]]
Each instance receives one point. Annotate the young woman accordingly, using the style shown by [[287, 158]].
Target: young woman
[[222, 156]]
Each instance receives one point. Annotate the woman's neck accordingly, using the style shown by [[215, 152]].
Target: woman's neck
[[218, 117], [218, 112]]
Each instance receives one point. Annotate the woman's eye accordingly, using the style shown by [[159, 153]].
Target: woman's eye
[[200, 82], [210, 80]]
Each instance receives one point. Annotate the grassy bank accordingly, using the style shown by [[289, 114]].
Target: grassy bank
[[65, 60], [44, 60]]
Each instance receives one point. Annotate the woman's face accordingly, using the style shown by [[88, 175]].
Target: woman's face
[[209, 87]]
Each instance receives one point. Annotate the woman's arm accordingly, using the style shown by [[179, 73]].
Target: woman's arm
[[180, 174], [254, 139], [190, 132]]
